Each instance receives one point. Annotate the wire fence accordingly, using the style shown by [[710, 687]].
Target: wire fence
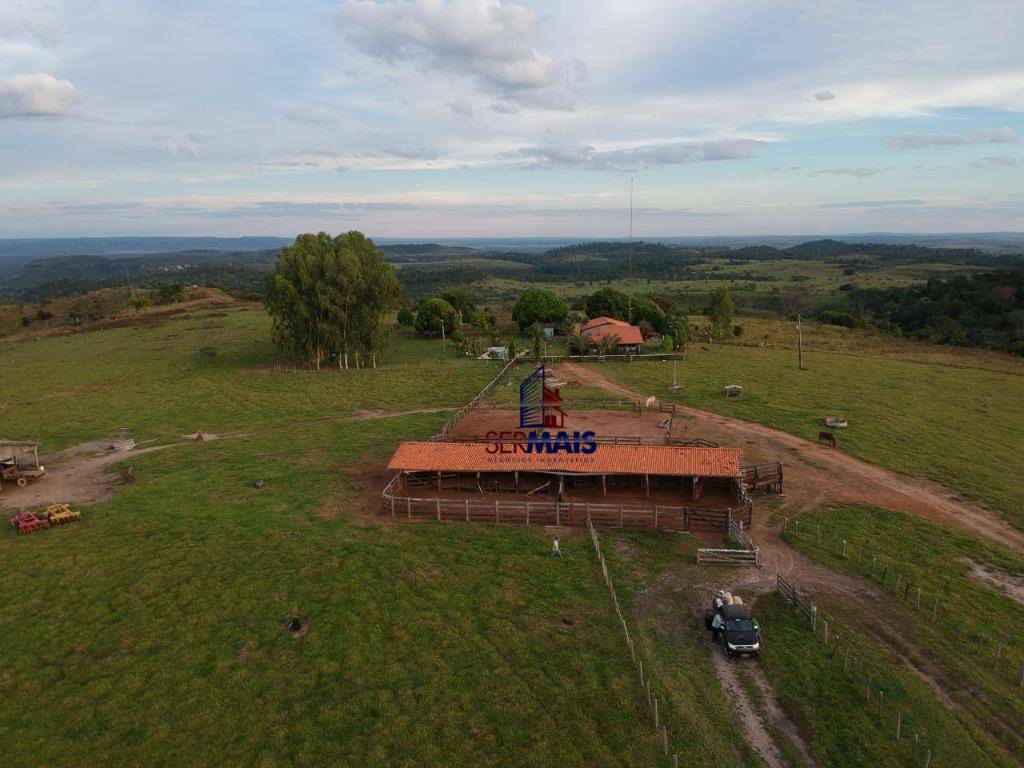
[[932, 605], [903, 724], [650, 689]]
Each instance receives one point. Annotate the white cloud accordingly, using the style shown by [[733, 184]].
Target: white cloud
[[586, 157], [857, 173], [491, 41], [903, 141], [34, 95], [824, 95], [997, 161]]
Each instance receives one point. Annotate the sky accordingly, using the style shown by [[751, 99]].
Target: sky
[[434, 118]]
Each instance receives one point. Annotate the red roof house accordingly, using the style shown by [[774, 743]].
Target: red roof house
[[600, 328]]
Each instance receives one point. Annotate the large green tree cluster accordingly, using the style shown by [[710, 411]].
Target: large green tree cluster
[[538, 305], [329, 296]]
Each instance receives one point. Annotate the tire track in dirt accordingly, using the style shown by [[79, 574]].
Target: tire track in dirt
[[754, 727]]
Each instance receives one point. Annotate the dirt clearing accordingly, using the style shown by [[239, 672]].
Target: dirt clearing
[[78, 474]]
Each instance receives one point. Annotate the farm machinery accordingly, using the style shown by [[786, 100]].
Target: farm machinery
[[19, 462], [55, 514]]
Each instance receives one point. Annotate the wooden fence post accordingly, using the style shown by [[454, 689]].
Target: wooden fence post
[[881, 702], [438, 508], [935, 609], [899, 578], [664, 738], [467, 510], [899, 723], [408, 506], [843, 555], [819, 534], [917, 602], [927, 758], [655, 711]]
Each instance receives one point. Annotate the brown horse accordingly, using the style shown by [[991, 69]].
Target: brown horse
[[827, 438], [575, 384]]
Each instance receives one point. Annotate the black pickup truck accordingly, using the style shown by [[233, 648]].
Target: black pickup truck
[[741, 636]]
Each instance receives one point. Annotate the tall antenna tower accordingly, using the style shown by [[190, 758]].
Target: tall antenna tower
[[629, 253]]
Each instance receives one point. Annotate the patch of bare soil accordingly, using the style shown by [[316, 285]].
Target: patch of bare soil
[[78, 474], [817, 475], [1010, 585], [369, 415]]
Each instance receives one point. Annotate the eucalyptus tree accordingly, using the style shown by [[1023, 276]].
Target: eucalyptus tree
[[328, 297]]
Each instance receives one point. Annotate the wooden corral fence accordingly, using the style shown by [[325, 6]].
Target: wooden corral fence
[[477, 401], [598, 404], [569, 513], [624, 358], [696, 442], [763, 479], [800, 602], [748, 555]]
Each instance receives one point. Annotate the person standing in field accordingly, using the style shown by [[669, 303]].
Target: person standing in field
[[556, 550]]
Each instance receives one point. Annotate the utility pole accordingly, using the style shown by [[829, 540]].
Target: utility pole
[[799, 342], [629, 253], [675, 386]]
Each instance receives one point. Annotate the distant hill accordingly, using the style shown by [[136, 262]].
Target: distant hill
[[21, 251]]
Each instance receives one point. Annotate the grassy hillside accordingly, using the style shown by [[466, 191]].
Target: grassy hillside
[[209, 370], [154, 632], [962, 426], [843, 726], [941, 562]]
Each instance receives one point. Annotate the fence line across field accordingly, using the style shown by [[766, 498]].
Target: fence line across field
[[1002, 655], [570, 513], [647, 685], [833, 643]]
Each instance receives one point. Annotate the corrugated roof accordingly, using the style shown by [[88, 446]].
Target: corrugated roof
[[628, 334], [670, 460], [595, 322]]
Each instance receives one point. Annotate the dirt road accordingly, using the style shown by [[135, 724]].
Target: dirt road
[[817, 475], [78, 474]]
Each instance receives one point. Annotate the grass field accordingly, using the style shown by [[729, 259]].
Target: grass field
[[940, 561], [842, 726], [702, 728], [153, 633], [962, 426], [208, 370]]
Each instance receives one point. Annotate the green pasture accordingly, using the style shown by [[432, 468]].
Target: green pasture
[[837, 712], [208, 370], [962, 426], [960, 633], [154, 632]]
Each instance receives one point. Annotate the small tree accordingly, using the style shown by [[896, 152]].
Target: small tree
[[406, 317], [680, 330], [538, 305], [437, 316], [608, 302], [720, 310], [537, 340]]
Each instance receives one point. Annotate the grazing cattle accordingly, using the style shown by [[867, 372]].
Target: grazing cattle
[[576, 384], [827, 438], [651, 401]]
